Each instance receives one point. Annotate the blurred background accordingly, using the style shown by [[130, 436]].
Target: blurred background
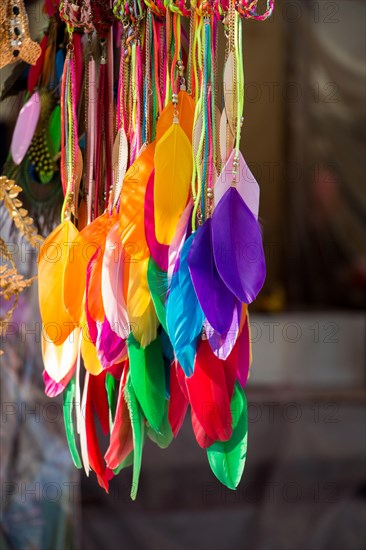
[[304, 483]]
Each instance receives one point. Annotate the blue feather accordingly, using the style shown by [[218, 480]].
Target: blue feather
[[59, 64], [184, 314]]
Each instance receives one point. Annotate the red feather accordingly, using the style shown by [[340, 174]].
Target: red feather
[[94, 402], [35, 70], [178, 403], [78, 52], [209, 394], [202, 438], [121, 443], [181, 377]]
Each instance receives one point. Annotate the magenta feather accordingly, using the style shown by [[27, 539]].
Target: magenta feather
[[159, 252], [53, 388]]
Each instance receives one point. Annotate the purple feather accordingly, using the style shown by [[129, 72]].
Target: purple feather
[[238, 247], [216, 300], [222, 346]]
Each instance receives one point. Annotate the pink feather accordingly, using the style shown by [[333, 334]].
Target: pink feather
[[246, 185], [112, 284]]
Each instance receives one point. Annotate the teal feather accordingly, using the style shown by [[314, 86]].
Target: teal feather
[[184, 314]]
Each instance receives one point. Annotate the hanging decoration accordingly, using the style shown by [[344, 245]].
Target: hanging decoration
[[144, 286]]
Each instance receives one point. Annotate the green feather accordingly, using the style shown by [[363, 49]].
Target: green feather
[[111, 387], [158, 285], [69, 395], [164, 436], [227, 458], [128, 461], [138, 433], [148, 379], [54, 131]]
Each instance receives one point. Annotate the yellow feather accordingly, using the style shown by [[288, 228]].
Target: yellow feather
[[173, 172], [140, 307], [52, 262]]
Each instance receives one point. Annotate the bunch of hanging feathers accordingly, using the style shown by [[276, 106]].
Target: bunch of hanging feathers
[[145, 284]]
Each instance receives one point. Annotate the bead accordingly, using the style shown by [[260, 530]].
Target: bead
[[16, 53], [16, 10], [17, 31]]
